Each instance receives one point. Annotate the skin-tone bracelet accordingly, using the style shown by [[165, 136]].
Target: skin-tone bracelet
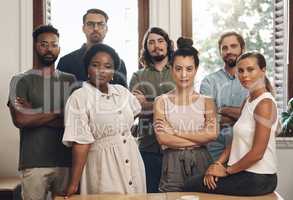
[[218, 163], [228, 171]]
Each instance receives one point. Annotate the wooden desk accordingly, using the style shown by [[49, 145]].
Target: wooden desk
[[10, 188], [169, 196]]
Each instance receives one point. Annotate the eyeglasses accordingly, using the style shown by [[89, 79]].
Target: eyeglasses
[[100, 25], [46, 45]]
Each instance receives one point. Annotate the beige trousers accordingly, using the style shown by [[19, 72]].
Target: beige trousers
[[37, 182]]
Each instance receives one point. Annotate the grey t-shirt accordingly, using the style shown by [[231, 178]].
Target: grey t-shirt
[[42, 146]]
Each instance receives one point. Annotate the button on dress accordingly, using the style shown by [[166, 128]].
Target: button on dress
[[104, 121]]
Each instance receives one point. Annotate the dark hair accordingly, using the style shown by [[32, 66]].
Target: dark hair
[[95, 11], [232, 33], [101, 48], [185, 48], [261, 62], [145, 57], [44, 29]]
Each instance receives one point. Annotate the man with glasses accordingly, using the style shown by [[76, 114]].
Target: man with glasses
[[95, 29], [36, 102]]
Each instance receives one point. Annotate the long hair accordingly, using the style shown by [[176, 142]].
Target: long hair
[[261, 62], [145, 57]]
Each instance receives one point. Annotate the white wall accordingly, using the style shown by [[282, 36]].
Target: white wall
[[15, 53], [285, 171], [167, 15]]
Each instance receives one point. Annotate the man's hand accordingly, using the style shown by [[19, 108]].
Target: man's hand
[[21, 103], [140, 96], [225, 120]]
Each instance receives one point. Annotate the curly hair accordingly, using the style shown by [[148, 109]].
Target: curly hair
[[44, 29], [145, 57], [101, 48]]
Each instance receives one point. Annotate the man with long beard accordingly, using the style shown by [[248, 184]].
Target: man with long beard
[[146, 84], [36, 102], [95, 29], [226, 90]]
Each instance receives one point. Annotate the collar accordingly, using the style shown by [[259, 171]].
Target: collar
[[152, 67], [56, 73], [229, 76], [83, 48], [112, 90]]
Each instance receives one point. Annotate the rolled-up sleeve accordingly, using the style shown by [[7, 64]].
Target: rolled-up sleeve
[[206, 88], [77, 128]]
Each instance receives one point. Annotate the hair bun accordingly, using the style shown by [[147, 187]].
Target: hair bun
[[184, 42]]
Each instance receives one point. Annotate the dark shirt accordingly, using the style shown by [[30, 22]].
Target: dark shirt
[[73, 63], [42, 146], [152, 83]]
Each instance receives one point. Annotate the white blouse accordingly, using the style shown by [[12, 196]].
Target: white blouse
[[243, 135], [114, 164]]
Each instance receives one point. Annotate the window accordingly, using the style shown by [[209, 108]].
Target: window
[[253, 19], [122, 26], [281, 14], [263, 23], [44, 14]]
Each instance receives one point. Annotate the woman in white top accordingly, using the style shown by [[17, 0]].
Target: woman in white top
[[251, 168], [184, 122], [98, 118]]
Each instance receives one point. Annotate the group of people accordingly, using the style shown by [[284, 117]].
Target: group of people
[[76, 122]]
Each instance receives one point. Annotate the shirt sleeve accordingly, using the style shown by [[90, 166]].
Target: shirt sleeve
[[77, 128], [18, 88], [61, 65], [206, 88], [133, 82], [134, 104]]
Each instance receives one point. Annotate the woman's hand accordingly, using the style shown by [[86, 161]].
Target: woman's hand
[[160, 127], [217, 170], [72, 189], [210, 181]]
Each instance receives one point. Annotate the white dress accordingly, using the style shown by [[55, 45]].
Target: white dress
[[114, 164]]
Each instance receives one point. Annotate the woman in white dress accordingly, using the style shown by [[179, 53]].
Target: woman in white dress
[[98, 118], [252, 166]]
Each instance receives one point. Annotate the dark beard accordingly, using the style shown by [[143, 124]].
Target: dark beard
[[158, 58], [46, 62], [231, 63]]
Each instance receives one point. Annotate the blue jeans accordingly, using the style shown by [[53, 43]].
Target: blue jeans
[[153, 166]]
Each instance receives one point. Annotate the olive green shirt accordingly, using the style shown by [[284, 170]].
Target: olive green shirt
[[151, 83]]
